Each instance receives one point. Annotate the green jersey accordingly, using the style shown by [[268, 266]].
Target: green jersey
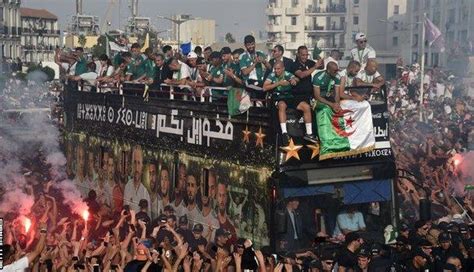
[[117, 60], [281, 92], [149, 67], [246, 60], [81, 66], [216, 72], [228, 81], [326, 83], [136, 67]]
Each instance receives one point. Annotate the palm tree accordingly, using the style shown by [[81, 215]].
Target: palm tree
[[229, 38], [82, 40]]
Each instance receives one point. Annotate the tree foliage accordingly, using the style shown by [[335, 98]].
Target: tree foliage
[[229, 38]]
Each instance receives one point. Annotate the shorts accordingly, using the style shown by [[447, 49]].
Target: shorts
[[293, 102]]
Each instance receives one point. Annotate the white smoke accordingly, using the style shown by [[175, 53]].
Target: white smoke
[[24, 134]]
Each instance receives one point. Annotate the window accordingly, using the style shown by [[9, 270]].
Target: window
[[356, 2], [434, 59], [355, 20], [415, 40], [395, 41], [293, 20], [396, 10], [294, 3], [395, 25], [293, 37]]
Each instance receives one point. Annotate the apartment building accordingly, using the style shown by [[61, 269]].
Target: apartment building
[[10, 28], [40, 35]]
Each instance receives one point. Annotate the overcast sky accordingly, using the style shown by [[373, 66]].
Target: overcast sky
[[239, 17]]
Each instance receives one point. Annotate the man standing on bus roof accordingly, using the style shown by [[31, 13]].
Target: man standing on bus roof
[[281, 83], [253, 65], [363, 51]]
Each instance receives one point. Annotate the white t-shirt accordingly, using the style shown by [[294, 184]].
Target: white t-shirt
[[440, 89], [89, 77], [132, 196], [107, 70], [19, 265], [362, 75], [194, 216], [362, 56], [210, 220], [427, 79], [343, 74], [411, 77], [184, 72]]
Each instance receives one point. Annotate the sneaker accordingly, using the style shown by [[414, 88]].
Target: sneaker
[[311, 138], [285, 139]]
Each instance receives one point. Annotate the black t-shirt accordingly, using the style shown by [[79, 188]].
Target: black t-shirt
[[161, 73], [347, 258], [194, 243], [305, 85]]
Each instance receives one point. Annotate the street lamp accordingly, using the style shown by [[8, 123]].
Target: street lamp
[[178, 21]]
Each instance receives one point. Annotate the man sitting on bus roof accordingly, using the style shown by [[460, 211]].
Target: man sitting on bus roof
[[347, 78], [370, 76], [281, 83]]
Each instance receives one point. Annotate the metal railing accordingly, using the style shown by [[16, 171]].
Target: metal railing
[[173, 92]]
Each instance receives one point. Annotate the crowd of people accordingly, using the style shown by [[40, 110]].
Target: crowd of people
[[139, 231]]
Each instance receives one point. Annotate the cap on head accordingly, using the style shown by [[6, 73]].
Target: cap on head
[[222, 232], [198, 228], [444, 237], [360, 36], [183, 220], [363, 252], [192, 55]]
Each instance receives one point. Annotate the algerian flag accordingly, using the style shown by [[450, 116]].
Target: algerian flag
[[238, 101], [114, 46], [348, 132]]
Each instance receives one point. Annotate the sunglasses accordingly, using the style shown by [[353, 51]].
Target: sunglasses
[[328, 262], [363, 41]]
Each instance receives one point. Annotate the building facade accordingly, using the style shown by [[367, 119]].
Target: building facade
[[332, 25], [292, 23], [40, 35], [10, 28], [455, 20], [196, 30]]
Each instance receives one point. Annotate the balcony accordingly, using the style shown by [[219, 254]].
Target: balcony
[[271, 28], [273, 11], [41, 31], [292, 28], [315, 29], [329, 46], [333, 10], [39, 47], [292, 45], [293, 11]]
